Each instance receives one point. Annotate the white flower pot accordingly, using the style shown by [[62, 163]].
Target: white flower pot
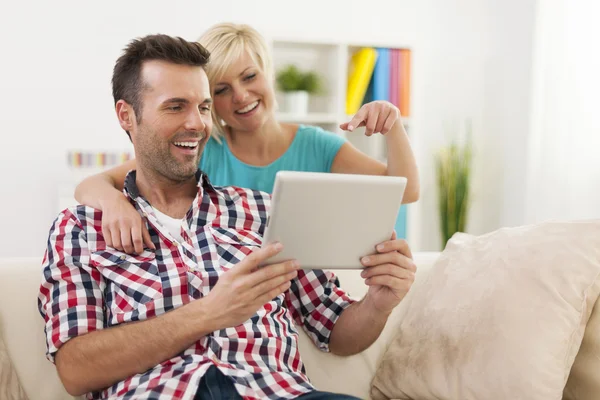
[[296, 102]]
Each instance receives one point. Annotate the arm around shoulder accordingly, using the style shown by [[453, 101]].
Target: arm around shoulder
[[122, 226], [95, 190]]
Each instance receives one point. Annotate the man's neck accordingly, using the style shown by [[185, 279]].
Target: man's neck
[[172, 198]]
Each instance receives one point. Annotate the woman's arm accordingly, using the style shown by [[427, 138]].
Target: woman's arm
[[383, 117], [95, 190], [122, 226]]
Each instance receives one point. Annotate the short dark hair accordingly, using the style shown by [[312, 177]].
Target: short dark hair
[[127, 80]]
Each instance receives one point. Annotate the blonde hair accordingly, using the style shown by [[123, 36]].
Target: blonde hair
[[227, 42]]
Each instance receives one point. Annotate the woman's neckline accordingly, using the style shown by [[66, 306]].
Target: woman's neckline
[[294, 140]]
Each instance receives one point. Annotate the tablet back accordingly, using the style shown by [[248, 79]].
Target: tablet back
[[329, 221]]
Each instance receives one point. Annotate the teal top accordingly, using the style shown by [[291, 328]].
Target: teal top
[[312, 150]]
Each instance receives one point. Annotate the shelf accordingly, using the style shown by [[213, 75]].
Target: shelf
[[357, 45], [299, 41], [310, 118]]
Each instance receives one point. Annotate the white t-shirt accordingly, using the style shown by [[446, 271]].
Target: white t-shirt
[[172, 224]]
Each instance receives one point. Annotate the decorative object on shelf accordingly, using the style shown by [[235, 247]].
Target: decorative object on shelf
[[93, 159], [297, 86], [453, 167], [82, 164]]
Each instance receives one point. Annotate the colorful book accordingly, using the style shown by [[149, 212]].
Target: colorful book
[[405, 74], [403, 91], [395, 77], [381, 75], [369, 94], [399, 83], [359, 73]]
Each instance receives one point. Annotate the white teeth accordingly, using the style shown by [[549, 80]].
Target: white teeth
[[186, 144], [248, 108]]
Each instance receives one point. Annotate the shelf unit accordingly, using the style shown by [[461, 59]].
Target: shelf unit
[[330, 60]]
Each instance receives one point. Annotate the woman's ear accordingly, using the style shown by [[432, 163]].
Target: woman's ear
[[125, 114]]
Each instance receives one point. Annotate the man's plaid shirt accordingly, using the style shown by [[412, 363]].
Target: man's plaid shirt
[[88, 286]]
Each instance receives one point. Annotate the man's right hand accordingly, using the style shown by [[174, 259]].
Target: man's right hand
[[245, 288]]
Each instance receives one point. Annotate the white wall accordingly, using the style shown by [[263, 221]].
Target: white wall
[[564, 167], [57, 59], [507, 108]]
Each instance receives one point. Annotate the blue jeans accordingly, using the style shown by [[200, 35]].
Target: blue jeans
[[216, 386]]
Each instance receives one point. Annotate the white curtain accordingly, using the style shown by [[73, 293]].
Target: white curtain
[[564, 147]]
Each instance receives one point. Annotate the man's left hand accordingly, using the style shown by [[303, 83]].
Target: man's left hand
[[389, 274]]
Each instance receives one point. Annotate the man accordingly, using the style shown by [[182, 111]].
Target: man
[[194, 317]]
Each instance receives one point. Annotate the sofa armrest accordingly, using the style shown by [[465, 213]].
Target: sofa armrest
[[352, 375], [22, 329]]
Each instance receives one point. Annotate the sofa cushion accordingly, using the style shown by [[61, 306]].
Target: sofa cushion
[[501, 316], [10, 388], [22, 329], [352, 375], [584, 380]]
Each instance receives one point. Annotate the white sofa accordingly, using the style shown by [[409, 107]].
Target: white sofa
[[21, 327]]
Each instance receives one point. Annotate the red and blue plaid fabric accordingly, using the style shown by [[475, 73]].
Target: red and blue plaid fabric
[[88, 286]]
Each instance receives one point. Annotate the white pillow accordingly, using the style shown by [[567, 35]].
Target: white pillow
[[501, 316]]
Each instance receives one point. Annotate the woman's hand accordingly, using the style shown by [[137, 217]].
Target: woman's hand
[[377, 116], [123, 227]]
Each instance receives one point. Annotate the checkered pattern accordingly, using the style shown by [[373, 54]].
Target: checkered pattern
[[89, 286]]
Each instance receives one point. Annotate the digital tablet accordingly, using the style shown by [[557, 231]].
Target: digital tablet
[[330, 221]]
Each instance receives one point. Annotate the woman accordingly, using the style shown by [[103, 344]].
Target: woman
[[249, 145]]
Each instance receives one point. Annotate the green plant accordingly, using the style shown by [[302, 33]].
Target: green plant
[[290, 79], [453, 165]]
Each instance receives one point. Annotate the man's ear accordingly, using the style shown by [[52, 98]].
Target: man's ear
[[125, 114]]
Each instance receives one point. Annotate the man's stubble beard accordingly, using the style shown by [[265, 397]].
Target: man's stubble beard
[[155, 157]]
